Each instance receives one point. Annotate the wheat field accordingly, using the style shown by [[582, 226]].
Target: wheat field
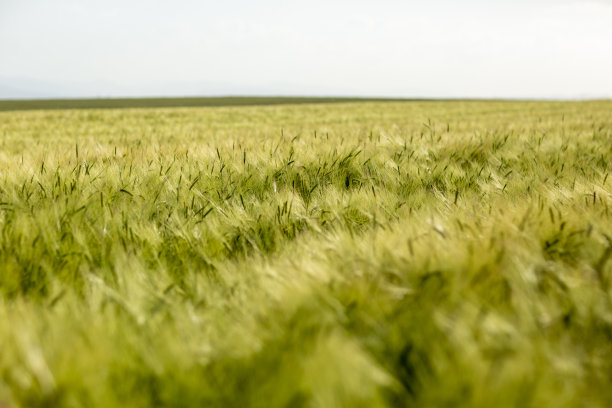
[[364, 254]]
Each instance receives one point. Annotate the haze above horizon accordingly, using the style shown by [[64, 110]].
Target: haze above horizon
[[433, 49]]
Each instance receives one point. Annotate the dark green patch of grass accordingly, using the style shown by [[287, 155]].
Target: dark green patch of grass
[[122, 103]]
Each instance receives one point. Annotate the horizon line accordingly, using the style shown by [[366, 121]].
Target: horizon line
[[126, 102]]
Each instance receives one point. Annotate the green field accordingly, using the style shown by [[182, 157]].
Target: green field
[[362, 254]]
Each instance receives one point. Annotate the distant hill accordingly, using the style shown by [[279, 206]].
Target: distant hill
[[116, 103]]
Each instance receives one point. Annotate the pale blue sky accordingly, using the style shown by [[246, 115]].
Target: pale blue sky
[[436, 48]]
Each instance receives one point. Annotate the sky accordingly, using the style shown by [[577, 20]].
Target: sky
[[559, 49]]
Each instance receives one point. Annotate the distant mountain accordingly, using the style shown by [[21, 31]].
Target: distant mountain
[[21, 88], [26, 88], [15, 92]]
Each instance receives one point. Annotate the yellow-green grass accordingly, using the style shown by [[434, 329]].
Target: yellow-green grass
[[363, 254]]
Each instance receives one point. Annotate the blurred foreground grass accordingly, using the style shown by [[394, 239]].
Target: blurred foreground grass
[[363, 254]]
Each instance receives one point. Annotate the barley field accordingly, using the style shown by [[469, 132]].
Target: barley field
[[363, 254]]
